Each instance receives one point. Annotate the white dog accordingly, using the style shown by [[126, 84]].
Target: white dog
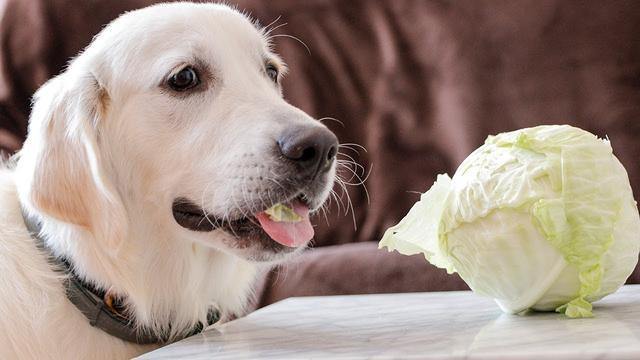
[[145, 176]]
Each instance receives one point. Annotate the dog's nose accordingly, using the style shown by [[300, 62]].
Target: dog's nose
[[312, 148]]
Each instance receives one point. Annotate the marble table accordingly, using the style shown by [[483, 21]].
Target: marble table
[[441, 325]]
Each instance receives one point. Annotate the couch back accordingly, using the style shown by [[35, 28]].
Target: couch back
[[419, 84]]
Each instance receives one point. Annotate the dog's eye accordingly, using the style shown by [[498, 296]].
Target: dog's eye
[[184, 79], [272, 72]]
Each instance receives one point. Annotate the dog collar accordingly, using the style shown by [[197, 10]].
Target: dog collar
[[100, 307]]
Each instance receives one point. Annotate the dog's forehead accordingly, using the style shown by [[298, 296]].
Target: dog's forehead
[[145, 44], [170, 22], [170, 32]]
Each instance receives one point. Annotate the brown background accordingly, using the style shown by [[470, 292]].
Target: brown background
[[420, 84]]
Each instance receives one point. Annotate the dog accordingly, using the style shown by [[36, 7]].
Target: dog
[[144, 179]]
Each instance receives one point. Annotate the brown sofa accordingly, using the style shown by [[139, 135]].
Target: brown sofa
[[420, 84]]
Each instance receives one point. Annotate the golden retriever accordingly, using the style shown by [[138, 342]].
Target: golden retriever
[[148, 167]]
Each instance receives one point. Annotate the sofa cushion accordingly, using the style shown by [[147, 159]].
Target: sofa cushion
[[420, 84], [356, 268]]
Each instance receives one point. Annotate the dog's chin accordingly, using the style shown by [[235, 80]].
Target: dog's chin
[[247, 239], [243, 237], [261, 255]]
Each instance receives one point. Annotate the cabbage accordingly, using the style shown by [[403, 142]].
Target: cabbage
[[282, 213], [540, 218]]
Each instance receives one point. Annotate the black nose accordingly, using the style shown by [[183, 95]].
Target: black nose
[[312, 148]]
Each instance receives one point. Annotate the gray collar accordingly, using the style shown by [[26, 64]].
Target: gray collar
[[103, 311]]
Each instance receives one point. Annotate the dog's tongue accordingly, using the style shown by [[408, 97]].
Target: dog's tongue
[[292, 234]]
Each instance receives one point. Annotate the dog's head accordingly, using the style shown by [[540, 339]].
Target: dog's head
[[173, 120]]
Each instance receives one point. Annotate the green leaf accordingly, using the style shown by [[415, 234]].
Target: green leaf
[[282, 213]]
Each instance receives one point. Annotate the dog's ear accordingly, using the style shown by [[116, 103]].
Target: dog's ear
[[60, 168]]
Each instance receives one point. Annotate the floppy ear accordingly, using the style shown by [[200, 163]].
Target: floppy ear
[[61, 164]]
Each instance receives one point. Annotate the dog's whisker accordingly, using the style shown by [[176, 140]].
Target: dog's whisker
[[247, 204], [361, 181], [266, 27], [353, 145], [294, 38], [349, 204], [329, 201], [277, 183], [352, 173], [361, 178], [273, 179], [339, 197], [253, 205], [332, 119], [266, 203], [355, 149], [356, 171], [271, 200], [238, 208], [347, 159], [350, 165], [323, 209], [348, 148], [204, 208], [339, 200], [332, 199], [349, 169], [340, 153], [346, 171], [343, 188], [353, 213], [333, 196], [267, 34], [350, 157], [245, 196]]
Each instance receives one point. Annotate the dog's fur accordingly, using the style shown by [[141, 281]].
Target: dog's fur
[[110, 146]]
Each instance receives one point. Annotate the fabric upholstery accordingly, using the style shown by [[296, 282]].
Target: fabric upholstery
[[419, 84]]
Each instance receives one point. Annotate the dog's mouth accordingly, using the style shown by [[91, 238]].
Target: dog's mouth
[[275, 232]]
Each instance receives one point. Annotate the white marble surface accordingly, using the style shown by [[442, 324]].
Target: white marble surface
[[445, 325]]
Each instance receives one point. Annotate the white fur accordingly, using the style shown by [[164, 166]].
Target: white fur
[[108, 150]]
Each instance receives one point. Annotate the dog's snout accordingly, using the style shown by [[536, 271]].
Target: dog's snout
[[312, 148]]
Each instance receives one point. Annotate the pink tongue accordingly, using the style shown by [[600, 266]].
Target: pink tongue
[[292, 234]]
